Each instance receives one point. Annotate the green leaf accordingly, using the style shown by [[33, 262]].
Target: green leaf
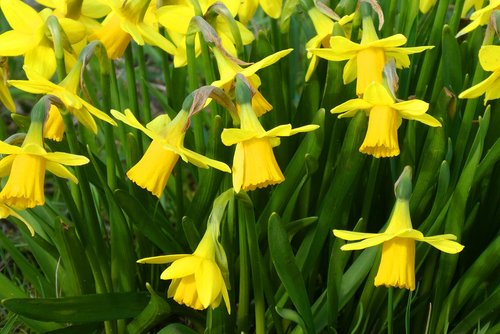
[[156, 310], [80, 309], [177, 329], [288, 271]]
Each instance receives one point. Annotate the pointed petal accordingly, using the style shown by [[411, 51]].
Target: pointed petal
[[238, 167], [424, 118], [352, 236], [6, 164], [202, 161], [232, 136], [9, 149], [85, 119], [21, 16], [350, 70], [15, 43], [75, 30], [67, 158], [175, 17], [59, 170], [267, 61], [129, 119], [153, 37], [389, 42], [97, 113], [412, 107], [32, 86], [489, 57], [377, 94], [18, 216], [480, 88], [272, 7], [159, 123], [162, 258], [370, 242], [133, 30], [182, 267], [444, 243], [354, 104]]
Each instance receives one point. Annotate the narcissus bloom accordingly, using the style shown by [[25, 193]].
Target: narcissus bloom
[[248, 7], [126, 22], [254, 164], [367, 59], [197, 279], [228, 69], [397, 265], [480, 17], [324, 28], [154, 168], [66, 91], [385, 115], [28, 38], [468, 4], [25, 167], [489, 57]]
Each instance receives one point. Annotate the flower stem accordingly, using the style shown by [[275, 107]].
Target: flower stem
[[390, 308]]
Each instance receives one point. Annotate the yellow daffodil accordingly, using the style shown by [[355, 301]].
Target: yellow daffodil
[[468, 4], [126, 22], [426, 5], [254, 164], [176, 18], [480, 17], [324, 28], [86, 12], [5, 96], [228, 69], [397, 265], [28, 38], [26, 166], [154, 168], [6, 211], [248, 7], [197, 279], [385, 116], [367, 59], [489, 57], [66, 91]]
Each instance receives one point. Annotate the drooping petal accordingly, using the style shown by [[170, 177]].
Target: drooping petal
[[97, 113], [389, 42], [175, 17], [272, 7], [75, 30], [162, 259], [493, 92], [21, 16], [129, 119], [6, 164], [159, 123], [238, 170], [247, 9], [369, 242], [352, 236], [424, 118], [232, 136], [354, 104], [59, 170], [42, 60], [67, 158], [480, 88], [377, 94], [153, 37], [202, 161], [444, 243], [9, 149], [185, 266], [15, 43], [208, 282], [412, 107], [85, 119], [18, 216], [350, 70], [267, 61]]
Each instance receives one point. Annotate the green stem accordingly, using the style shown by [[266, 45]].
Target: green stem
[[244, 296], [390, 308], [132, 90], [146, 108]]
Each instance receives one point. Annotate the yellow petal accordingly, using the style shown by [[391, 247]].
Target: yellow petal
[[162, 259], [377, 94], [175, 17], [481, 87], [202, 161], [75, 30], [352, 236], [369, 242], [14, 43], [493, 92], [389, 42], [18, 216], [5, 97], [267, 61], [489, 57], [232, 136], [85, 119], [42, 60], [354, 104], [21, 16], [397, 264], [133, 30], [182, 267], [9, 149], [6, 164], [208, 282], [94, 9], [247, 9], [32, 86], [97, 113], [238, 167], [129, 119], [444, 243], [153, 37], [59, 170], [67, 158], [272, 7], [412, 107], [350, 70], [159, 123]]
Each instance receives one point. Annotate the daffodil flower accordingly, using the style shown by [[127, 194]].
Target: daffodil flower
[[248, 7], [254, 164], [468, 4], [489, 57], [25, 167], [228, 69], [154, 168], [177, 17], [6, 211], [324, 28], [126, 22], [397, 265], [385, 116], [480, 17], [197, 279], [367, 59], [66, 91], [28, 38]]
